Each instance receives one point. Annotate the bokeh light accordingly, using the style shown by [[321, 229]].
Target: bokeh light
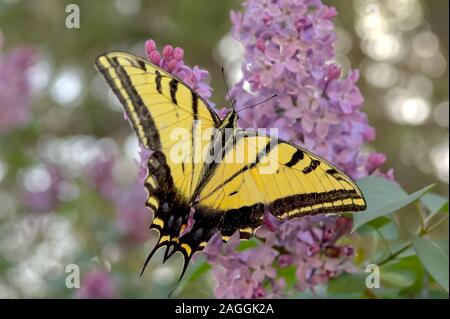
[[67, 87]]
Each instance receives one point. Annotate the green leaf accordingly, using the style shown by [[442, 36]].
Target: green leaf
[[383, 197], [403, 273], [247, 244], [389, 231], [380, 222], [443, 244], [397, 279], [367, 230], [433, 258], [288, 273], [347, 283], [199, 270], [434, 203]]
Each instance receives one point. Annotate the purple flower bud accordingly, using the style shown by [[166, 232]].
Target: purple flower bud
[[259, 293], [285, 261], [333, 72], [271, 222], [348, 251], [171, 65], [330, 13], [155, 57], [167, 51], [375, 161], [178, 54], [150, 46], [172, 62], [267, 20], [144, 155]]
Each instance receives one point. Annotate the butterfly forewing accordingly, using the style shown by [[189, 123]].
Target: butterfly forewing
[[171, 120]]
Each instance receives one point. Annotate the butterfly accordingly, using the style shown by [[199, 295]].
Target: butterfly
[[227, 175]]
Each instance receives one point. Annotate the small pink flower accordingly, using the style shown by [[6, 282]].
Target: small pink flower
[[375, 161], [171, 60]]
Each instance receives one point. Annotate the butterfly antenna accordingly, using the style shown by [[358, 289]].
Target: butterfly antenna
[[226, 88], [273, 96]]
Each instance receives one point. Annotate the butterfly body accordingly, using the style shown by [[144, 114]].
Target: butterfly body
[[228, 176]]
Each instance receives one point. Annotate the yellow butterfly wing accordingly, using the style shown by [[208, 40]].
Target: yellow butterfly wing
[[260, 171], [158, 105]]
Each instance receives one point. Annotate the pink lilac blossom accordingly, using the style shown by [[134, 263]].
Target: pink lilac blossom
[[309, 245], [15, 93], [288, 52], [241, 275], [97, 284], [171, 60]]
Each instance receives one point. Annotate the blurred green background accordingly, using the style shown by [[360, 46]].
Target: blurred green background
[[400, 47]]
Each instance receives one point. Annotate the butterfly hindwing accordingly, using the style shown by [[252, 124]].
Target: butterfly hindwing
[[264, 169], [260, 172]]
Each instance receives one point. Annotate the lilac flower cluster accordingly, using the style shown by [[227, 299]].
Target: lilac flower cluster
[[15, 92], [171, 60], [307, 245], [246, 274], [289, 52]]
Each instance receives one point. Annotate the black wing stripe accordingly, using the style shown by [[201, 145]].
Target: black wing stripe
[[173, 85], [258, 158], [147, 122], [296, 157], [193, 142], [158, 78], [194, 105], [312, 166]]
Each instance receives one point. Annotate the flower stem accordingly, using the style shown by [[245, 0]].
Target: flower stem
[[433, 227], [421, 219], [394, 255]]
